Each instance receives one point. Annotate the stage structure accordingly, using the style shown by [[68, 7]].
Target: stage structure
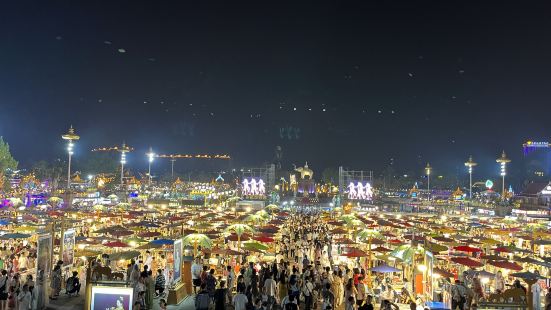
[[257, 182], [355, 184]]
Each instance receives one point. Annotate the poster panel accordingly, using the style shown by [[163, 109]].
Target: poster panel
[[178, 250], [68, 248], [111, 298]]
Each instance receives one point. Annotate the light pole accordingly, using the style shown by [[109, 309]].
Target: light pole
[[123, 149], [150, 157], [503, 161], [428, 170], [470, 164], [172, 160], [70, 136]]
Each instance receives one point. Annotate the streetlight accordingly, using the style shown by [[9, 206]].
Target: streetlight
[[470, 164], [70, 136], [428, 169], [150, 157], [123, 149], [172, 160], [503, 161]]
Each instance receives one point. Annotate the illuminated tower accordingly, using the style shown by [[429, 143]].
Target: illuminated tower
[[123, 150], [503, 161], [70, 136], [470, 164], [428, 170]]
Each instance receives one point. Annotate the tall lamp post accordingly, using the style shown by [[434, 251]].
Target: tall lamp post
[[150, 157], [470, 164], [123, 150], [70, 136], [428, 170], [503, 161]]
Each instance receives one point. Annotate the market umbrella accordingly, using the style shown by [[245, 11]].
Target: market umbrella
[[353, 252], [15, 236], [442, 239], [124, 255], [163, 241], [196, 240], [234, 237], [255, 246], [149, 245], [381, 249], [506, 265], [338, 231], [121, 233], [149, 234], [527, 275], [263, 239], [4, 222], [239, 229], [344, 241], [385, 269], [435, 248], [466, 248], [490, 241], [465, 261], [86, 253], [492, 257], [116, 244]]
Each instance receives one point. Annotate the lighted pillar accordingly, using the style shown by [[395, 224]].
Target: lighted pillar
[[150, 157], [70, 136], [503, 161], [172, 160], [428, 170], [123, 149], [470, 164]]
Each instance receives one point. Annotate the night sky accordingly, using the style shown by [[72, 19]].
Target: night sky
[[333, 83]]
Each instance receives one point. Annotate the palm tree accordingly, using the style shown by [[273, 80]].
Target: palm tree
[[239, 230], [196, 240], [368, 234]]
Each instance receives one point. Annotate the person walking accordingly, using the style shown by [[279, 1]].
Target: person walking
[[24, 298], [220, 296]]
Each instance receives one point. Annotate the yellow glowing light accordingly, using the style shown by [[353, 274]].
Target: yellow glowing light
[[422, 268], [485, 280]]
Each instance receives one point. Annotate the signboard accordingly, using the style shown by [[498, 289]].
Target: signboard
[[360, 191], [489, 184], [116, 298], [43, 266], [68, 254], [253, 186], [178, 250]]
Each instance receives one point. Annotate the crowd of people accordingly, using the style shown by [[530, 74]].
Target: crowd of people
[[303, 276]]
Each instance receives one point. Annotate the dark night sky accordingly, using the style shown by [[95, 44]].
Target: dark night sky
[[413, 82]]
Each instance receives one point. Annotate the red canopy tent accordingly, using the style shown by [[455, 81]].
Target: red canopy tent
[[466, 248], [465, 261]]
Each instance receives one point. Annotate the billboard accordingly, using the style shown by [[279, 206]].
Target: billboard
[[178, 250], [111, 298], [253, 187], [68, 248], [360, 191]]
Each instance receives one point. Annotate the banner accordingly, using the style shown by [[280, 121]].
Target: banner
[[43, 268], [68, 248], [43, 256], [111, 298], [178, 250]]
